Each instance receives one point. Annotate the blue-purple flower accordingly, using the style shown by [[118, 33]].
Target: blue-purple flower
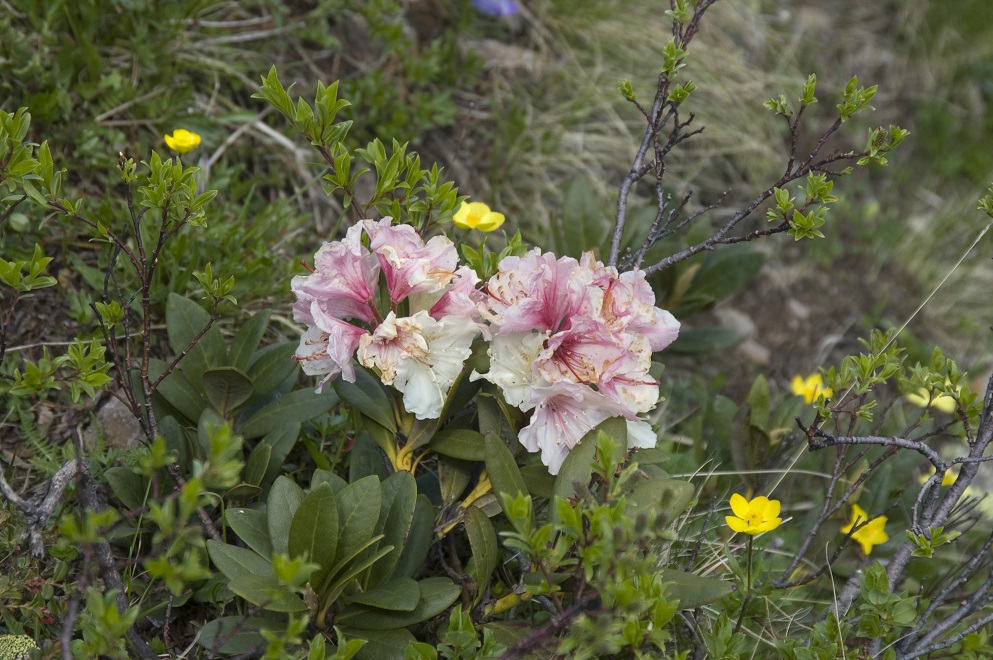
[[495, 7]]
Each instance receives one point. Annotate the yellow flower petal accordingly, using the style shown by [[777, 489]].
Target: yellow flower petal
[[737, 524], [810, 388], [739, 505], [477, 215], [182, 140], [871, 533], [490, 221]]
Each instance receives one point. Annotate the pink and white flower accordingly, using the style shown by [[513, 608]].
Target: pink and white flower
[[420, 356]]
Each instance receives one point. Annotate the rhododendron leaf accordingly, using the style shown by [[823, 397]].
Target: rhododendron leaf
[[367, 395], [247, 339], [578, 465], [485, 551], [453, 477], [668, 498], [232, 635], [692, 590], [250, 526], [395, 518], [707, 339], [226, 388], [185, 320], [540, 483], [259, 590], [326, 477], [365, 459], [293, 408], [437, 594], [243, 491], [272, 366], [284, 498], [466, 444], [281, 442], [418, 542], [502, 468], [257, 464], [178, 391], [400, 595], [725, 271], [359, 507], [233, 561], [313, 531]]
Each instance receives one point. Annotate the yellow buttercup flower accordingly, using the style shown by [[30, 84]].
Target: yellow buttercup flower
[[947, 480], [753, 517], [477, 216], [869, 534], [810, 388], [942, 402], [182, 140]]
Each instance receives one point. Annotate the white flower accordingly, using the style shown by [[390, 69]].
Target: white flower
[[511, 360], [420, 357]]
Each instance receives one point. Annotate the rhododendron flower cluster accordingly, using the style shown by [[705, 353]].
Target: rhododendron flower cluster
[[573, 342], [420, 354], [569, 341]]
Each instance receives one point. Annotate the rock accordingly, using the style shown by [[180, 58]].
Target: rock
[[120, 428]]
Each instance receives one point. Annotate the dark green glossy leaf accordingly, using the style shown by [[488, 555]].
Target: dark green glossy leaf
[[185, 320], [128, 487], [399, 595], [281, 442], [265, 591], [699, 341], [232, 635], [436, 595], [226, 388], [271, 366], [247, 339], [251, 527], [368, 396], [366, 459], [284, 498], [293, 408], [258, 463], [314, 531], [485, 551], [465, 444], [502, 468], [359, 506], [396, 515], [234, 561], [178, 391], [415, 550]]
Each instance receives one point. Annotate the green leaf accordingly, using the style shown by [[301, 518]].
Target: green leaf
[[668, 498], [396, 516], [465, 444], [380, 644], [130, 488], [247, 339], [759, 398], [226, 388], [485, 551], [502, 467], [367, 395], [290, 409], [359, 506], [540, 483], [258, 463], [280, 443], [577, 469], [399, 595], [436, 595], [233, 561], [272, 366], [700, 341], [314, 531], [692, 590], [415, 550], [725, 271], [284, 498], [184, 321], [266, 591], [178, 391], [232, 635], [365, 459], [251, 527]]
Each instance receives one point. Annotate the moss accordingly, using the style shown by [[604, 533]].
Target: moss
[[16, 647]]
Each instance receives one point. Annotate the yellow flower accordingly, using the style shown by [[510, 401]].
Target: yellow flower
[[869, 534], [942, 402], [810, 388], [182, 140], [753, 517], [947, 480], [477, 216]]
